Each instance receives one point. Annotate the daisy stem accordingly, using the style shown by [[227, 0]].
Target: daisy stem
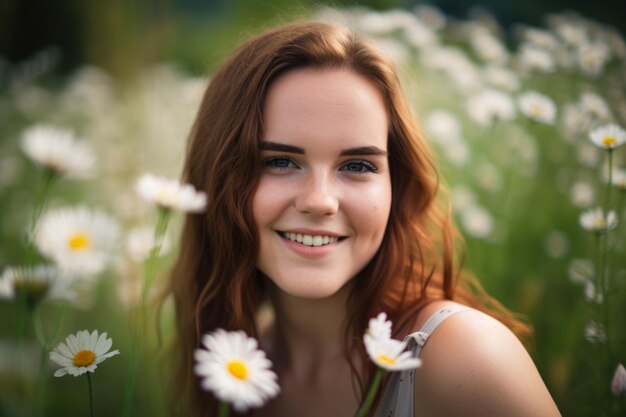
[[619, 210], [39, 330], [149, 269], [129, 390], [371, 393], [59, 322], [610, 183], [141, 325], [91, 411], [222, 409], [42, 391], [604, 279], [25, 315], [40, 202]]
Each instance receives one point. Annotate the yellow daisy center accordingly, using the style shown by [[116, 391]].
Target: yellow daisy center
[[609, 140], [535, 110], [79, 241], [238, 369], [165, 197], [84, 358], [386, 359]]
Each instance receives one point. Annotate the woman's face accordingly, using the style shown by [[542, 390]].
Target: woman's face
[[324, 195]]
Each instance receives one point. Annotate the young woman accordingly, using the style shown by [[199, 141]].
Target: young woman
[[324, 211]]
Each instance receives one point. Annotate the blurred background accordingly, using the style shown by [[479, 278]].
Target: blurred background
[[127, 77], [121, 36]]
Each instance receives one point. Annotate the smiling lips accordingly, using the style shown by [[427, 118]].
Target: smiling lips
[[310, 240]]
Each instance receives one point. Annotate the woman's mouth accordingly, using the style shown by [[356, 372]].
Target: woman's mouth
[[310, 240]]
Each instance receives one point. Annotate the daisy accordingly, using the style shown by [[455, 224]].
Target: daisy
[[582, 194], [592, 58], [389, 354], [580, 271], [379, 327], [79, 240], [618, 384], [420, 35], [594, 333], [58, 150], [594, 220], [235, 370], [490, 105], [431, 16], [443, 126], [170, 194], [477, 221], [463, 197], [488, 47], [541, 38], [533, 58], [501, 77], [34, 284], [573, 33], [592, 294], [537, 107], [82, 353], [609, 136], [595, 107]]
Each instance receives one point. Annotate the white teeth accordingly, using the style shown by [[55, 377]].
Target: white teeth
[[310, 240]]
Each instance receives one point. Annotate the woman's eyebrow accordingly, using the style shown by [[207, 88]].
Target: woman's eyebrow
[[364, 151], [280, 147], [358, 151]]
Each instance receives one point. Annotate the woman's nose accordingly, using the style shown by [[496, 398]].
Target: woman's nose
[[317, 196]]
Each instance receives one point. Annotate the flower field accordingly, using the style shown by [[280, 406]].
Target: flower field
[[528, 127]]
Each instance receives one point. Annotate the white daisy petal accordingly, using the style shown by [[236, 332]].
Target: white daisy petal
[[79, 240], [595, 220], [58, 150], [537, 107], [385, 352], [93, 341], [81, 353], [235, 370], [610, 136], [36, 283], [71, 342], [60, 360], [106, 356], [170, 194], [104, 344], [64, 351]]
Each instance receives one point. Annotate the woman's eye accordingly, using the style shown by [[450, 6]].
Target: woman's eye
[[361, 167], [279, 163]]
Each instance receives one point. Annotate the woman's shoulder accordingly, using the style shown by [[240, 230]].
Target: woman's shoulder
[[472, 364]]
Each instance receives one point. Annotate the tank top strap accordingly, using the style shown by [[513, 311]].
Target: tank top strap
[[420, 337], [398, 398]]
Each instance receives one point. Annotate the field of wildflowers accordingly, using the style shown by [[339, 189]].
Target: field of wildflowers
[[528, 127]]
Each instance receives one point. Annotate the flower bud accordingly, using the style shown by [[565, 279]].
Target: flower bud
[[618, 385]]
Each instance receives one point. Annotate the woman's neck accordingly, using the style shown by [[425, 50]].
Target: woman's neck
[[308, 332]]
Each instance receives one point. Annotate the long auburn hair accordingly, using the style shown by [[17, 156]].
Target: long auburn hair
[[215, 281]]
